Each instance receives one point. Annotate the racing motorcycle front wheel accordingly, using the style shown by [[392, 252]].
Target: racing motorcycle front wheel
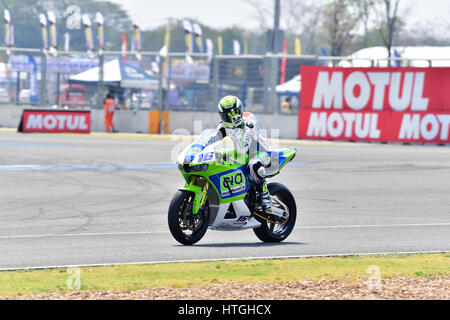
[[276, 228], [186, 227]]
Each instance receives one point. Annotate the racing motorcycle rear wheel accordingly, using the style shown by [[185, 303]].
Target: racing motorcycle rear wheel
[[275, 229], [186, 227]]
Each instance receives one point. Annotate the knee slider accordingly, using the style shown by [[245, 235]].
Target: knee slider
[[257, 167], [261, 172]]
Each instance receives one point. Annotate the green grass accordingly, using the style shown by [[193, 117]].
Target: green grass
[[181, 275]]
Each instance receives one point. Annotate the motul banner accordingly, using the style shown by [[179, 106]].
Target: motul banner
[[50, 121], [375, 104]]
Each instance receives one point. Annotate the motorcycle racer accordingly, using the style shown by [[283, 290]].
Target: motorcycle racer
[[247, 137]]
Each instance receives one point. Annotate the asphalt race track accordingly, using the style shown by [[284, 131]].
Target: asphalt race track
[[88, 200]]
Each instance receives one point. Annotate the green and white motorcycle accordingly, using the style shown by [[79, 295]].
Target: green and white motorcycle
[[218, 194]]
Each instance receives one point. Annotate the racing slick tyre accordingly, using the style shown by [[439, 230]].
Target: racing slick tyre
[[282, 199], [186, 227]]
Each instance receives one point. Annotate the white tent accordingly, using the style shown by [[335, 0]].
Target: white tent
[[117, 72], [419, 55], [2, 69], [290, 87], [111, 73]]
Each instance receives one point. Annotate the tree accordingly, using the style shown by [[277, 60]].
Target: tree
[[424, 34], [299, 18], [340, 20], [388, 32], [25, 17], [367, 8], [153, 40], [303, 18], [263, 12]]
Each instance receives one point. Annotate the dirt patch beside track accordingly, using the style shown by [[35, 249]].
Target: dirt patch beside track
[[404, 288]]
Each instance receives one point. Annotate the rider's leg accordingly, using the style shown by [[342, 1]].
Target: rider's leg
[[266, 202], [257, 176]]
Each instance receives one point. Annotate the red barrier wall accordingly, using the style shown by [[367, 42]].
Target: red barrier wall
[[51, 121], [375, 104]]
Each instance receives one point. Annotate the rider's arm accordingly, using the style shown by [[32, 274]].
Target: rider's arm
[[220, 134], [258, 135], [262, 145], [242, 139]]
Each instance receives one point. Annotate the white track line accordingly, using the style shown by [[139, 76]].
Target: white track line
[[379, 225], [223, 259], [82, 234], [165, 232]]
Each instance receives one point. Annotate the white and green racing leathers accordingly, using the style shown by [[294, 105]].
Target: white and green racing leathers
[[248, 138]]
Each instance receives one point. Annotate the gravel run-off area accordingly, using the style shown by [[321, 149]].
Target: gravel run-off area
[[403, 288]]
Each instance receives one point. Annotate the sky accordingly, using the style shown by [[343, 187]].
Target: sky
[[215, 13], [227, 13]]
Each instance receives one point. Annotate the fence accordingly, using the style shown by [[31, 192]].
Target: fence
[[146, 80], [39, 78]]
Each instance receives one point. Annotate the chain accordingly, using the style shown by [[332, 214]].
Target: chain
[[269, 220]]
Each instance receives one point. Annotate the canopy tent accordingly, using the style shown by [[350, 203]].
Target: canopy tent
[[289, 94], [363, 58], [116, 72], [291, 87]]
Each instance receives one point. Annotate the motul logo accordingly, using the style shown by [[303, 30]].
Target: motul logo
[[343, 124], [54, 121], [367, 126], [51, 122], [428, 127], [375, 104], [361, 90]]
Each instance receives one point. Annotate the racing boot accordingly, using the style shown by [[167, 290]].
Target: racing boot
[[266, 202], [257, 176]]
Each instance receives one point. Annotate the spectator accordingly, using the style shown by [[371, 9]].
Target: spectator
[[110, 107], [286, 105]]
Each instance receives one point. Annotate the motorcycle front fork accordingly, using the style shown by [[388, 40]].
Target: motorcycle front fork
[[204, 190]]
